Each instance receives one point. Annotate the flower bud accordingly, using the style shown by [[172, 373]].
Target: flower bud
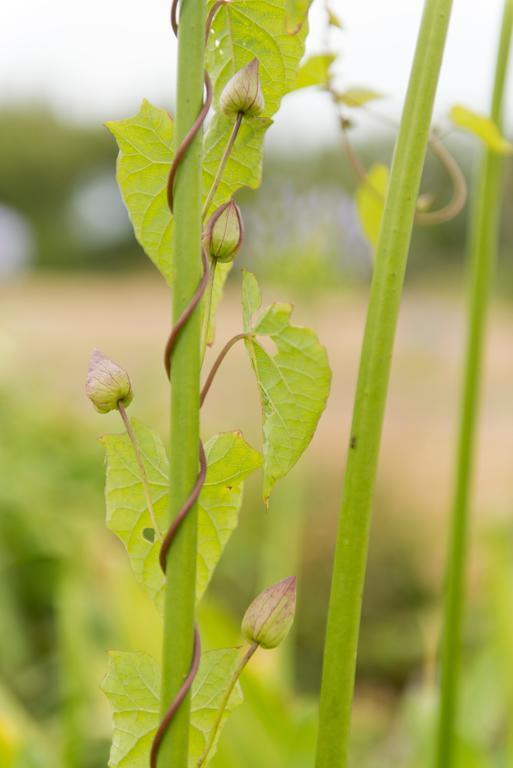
[[107, 383], [269, 617], [242, 93], [224, 232]]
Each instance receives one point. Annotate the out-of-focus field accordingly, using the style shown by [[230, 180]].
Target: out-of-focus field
[[67, 594], [49, 325]]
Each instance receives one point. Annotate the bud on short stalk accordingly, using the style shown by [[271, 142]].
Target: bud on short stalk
[[269, 618], [224, 233], [107, 383], [243, 94]]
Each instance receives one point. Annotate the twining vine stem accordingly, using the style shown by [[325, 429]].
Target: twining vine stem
[[177, 330]]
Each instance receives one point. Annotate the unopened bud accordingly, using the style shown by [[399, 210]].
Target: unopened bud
[[107, 383], [243, 93], [224, 232], [269, 617]]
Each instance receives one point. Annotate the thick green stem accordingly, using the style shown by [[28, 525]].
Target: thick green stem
[[483, 244], [180, 599], [391, 257]]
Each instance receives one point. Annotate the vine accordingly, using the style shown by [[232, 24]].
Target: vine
[[164, 728]]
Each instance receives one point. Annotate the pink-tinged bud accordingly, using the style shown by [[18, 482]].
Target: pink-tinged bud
[[270, 616], [243, 93], [107, 383], [224, 233]]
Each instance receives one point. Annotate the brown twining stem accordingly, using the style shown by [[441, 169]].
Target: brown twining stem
[[180, 696], [195, 127], [184, 317], [222, 354], [170, 346]]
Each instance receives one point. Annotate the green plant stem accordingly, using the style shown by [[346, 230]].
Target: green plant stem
[[483, 246], [391, 258], [180, 597], [244, 659], [222, 164], [140, 461]]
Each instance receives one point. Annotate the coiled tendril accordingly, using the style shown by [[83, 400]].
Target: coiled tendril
[[168, 355]]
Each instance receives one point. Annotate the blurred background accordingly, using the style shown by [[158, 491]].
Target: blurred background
[[72, 277]]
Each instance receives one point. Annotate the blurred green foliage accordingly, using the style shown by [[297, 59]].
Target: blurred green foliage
[[301, 224], [66, 596]]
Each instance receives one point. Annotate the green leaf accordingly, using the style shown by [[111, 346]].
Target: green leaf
[[220, 277], [249, 29], [358, 97], [240, 32], [132, 685], [315, 71], [294, 383], [230, 459], [370, 201], [334, 20], [483, 127], [145, 155], [297, 11], [209, 691]]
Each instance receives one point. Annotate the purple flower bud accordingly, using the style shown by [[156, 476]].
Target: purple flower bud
[[224, 232], [270, 616], [243, 93], [107, 383]]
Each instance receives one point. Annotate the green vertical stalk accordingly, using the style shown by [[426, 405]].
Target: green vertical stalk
[[180, 598], [391, 258], [483, 245]]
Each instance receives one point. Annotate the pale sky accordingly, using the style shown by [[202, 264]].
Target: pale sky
[[94, 61]]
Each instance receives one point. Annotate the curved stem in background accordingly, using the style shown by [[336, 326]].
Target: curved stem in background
[[483, 246], [222, 164], [245, 658], [458, 182], [371, 392], [140, 462], [459, 187]]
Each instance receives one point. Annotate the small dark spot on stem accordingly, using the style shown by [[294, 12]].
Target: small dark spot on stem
[[354, 441]]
